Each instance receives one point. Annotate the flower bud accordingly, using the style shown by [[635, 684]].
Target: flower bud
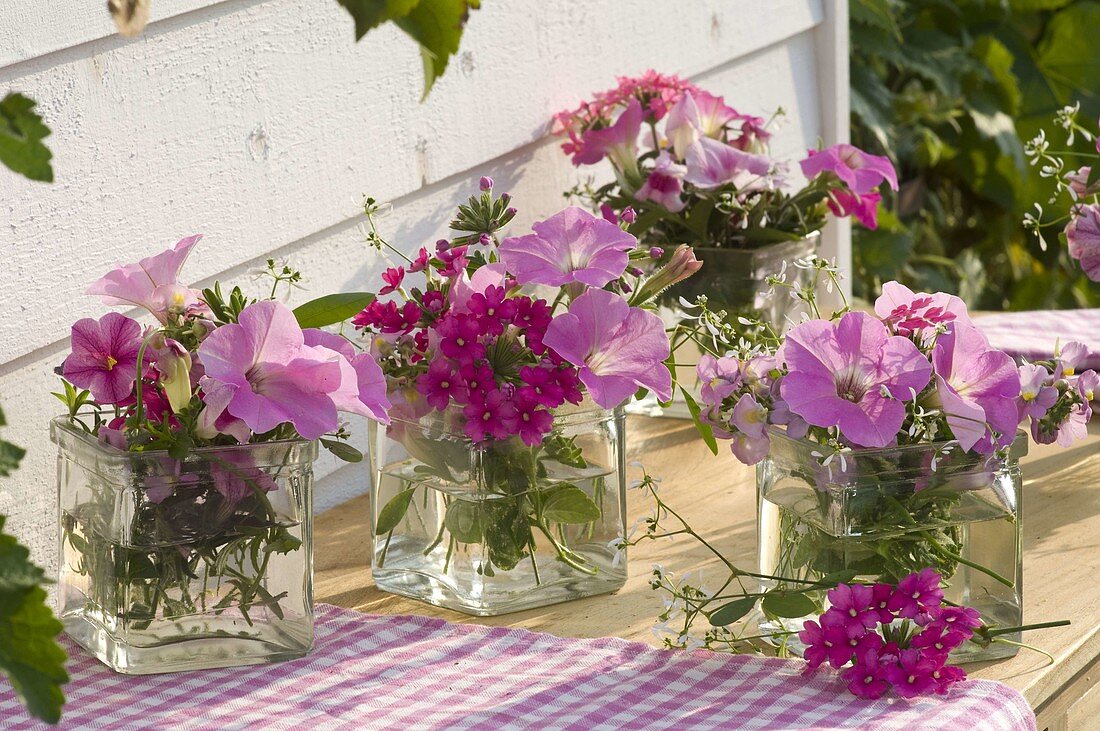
[[656, 253], [680, 266], [628, 215], [485, 239], [486, 183], [442, 245]]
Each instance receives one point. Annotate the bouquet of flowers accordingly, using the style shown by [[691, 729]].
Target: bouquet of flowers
[[887, 442], [201, 427], [691, 169], [1080, 185], [493, 359]]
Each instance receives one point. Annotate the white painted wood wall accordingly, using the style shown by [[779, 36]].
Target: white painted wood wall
[[261, 124]]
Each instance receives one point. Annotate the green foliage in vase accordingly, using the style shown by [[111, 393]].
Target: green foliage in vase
[[526, 494], [436, 25], [949, 89], [29, 653], [21, 135]]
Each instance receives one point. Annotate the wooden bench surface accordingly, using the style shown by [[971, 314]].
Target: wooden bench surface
[[1061, 525]]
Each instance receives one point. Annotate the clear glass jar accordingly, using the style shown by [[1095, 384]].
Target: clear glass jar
[[170, 564], [734, 280], [884, 513], [498, 528]]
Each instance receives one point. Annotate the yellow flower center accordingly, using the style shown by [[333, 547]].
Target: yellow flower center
[[111, 363]]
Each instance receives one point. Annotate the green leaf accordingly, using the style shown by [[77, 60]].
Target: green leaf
[[704, 429], [1069, 56], [788, 604], [437, 26], [569, 504], [876, 14], [564, 450], [29, 654], [21, 135], [343, 450], [332, 308], [463, 520], [369, 14], [393, 511], [727, 614]]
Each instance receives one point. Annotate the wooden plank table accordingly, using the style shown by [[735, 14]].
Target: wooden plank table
[[1061, 525]]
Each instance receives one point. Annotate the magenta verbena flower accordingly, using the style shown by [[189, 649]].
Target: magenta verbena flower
[[916, 594], [977, 387], [912, 674], [853, 605], [617, 348], [533, 420], [867, 677], [570, 246], [393, 278], [104, 357], [459, 338], [493, 309], [490, 414], [440, 385], [861, 172], [853, 375], [152, 283]]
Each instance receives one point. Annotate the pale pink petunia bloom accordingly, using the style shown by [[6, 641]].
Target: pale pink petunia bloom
[[152, 283], [274, 377], [363, 385], [861, 172], [750, 443], [711, 163], [570, 246], [1083, 237], [852, 374], [978, 387], [619, 142], [1069, 357], [664, 184], [907, 312], [617, 348], [104, 357], [1078, 182]]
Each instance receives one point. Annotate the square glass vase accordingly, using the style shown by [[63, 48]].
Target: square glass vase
[[734, 280], [884, 513], [170, 564], [501, 527]]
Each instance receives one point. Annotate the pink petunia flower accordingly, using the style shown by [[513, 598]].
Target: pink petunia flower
[[618, 348], [711, 163], [907, 312], [619, 142], [104, 357], [1083, 237], [271, 376], [853, 375], [977, 387], [362, 387], [570, 246], [864, 208], [665, 184], [861, 172], [152, 283], [1078, 183]]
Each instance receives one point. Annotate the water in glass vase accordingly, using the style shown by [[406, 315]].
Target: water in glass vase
[[500, 528], [881, 514], [171, 564]]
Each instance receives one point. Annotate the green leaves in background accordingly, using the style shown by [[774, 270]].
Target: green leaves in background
[[9, 456], [21, 135], [434, 24], [949, 89], [29, 654]]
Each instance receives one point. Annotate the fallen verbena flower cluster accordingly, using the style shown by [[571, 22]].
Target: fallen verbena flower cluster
[[885, 636]]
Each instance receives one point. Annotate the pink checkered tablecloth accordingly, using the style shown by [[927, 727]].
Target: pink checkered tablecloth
[[405, 672], [1034, 335]]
